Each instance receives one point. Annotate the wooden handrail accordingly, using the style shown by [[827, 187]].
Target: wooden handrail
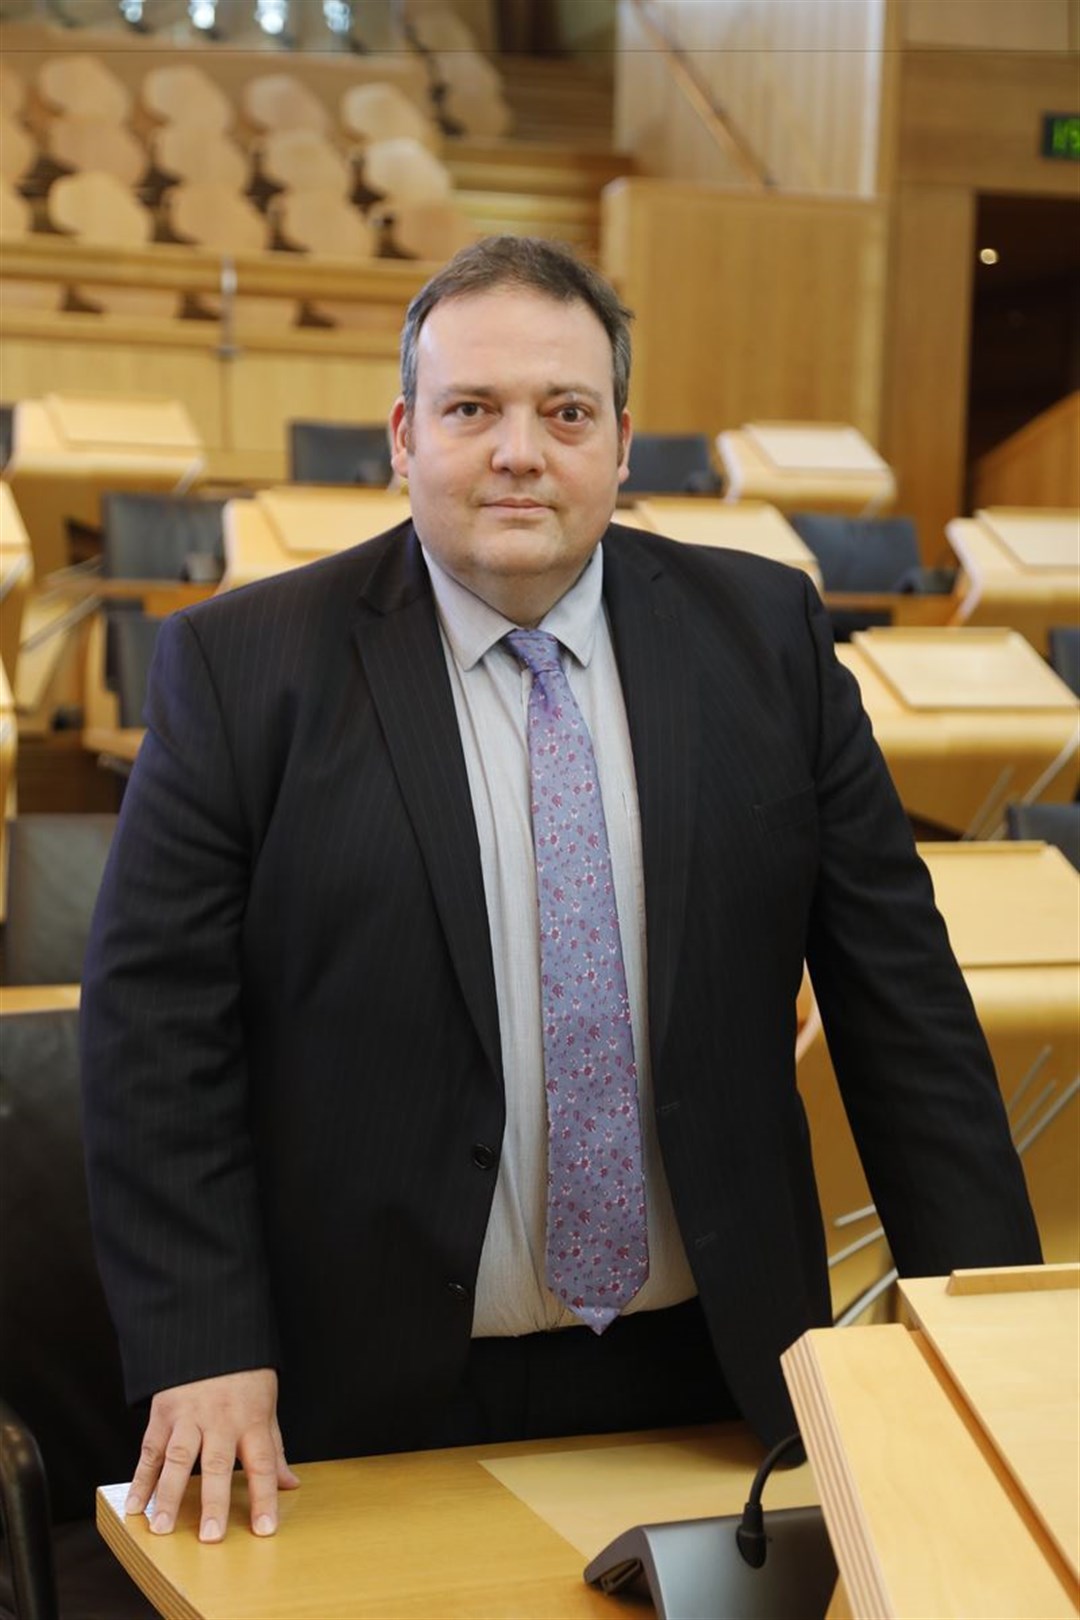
[[714, 119]]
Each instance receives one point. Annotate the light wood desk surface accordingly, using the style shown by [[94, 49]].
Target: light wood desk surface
[[984, 720], [116, 742], [941, 1484], [67, 449], [30, 998], [816, 466], [752, 526], [294, 524], [157, 597], [1019, 568], [1011, 1342], [468, 1534]]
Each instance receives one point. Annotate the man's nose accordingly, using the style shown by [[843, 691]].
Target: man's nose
[[519, 444]]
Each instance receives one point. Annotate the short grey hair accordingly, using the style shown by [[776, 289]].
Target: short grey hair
[[536, 265]]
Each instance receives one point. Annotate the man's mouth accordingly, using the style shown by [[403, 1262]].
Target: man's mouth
[[514, 503]]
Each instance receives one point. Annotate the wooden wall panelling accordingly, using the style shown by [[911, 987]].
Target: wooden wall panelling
[[801, 83], [327, 377], [748, 306], [42, 352], [1038, 466], [241, 396], [927, 338], [1008, 25], [653, 119], [888, 112], [974, 118]]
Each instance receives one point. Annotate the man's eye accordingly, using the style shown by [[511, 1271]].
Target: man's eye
[[467, 408], [571, 414]]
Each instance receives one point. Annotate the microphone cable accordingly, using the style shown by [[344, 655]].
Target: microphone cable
[[750, 1537]]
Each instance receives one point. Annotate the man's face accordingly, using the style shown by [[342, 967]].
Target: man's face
[[513, 453]]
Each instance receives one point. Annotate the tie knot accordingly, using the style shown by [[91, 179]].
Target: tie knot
[[536, 649]]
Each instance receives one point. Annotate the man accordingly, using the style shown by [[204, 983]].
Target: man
[[319, 1001]]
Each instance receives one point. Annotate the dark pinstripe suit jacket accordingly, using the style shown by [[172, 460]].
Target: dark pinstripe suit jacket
[[290, 1030]]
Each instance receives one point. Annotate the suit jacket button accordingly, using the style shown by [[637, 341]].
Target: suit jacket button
[[483, 1156], [459, 1292]]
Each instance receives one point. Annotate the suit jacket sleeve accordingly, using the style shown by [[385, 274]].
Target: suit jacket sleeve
[[169, 1157], [912, 1064]]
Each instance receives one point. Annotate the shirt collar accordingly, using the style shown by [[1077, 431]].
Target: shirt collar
[[472, 627]]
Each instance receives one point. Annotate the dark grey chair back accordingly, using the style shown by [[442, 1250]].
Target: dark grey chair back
[[162, 537], [671, 464], [133, 639], [1065, 654], [66, 1425], [339, 453], [864, 555], [1057, 824], [55, 863]]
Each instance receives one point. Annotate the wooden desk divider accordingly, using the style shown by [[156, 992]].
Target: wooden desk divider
[[946, 1458], [753, 526], [293, 524], [820, 466], [68, 448]]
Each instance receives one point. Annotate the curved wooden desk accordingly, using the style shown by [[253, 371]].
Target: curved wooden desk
[[752, 526], [493, 1531], [293, 524], [824, 467], [967, 720], [69, 448], [1019, 568]]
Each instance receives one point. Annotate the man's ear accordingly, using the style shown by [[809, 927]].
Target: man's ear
[[400, 438], [626, 435]]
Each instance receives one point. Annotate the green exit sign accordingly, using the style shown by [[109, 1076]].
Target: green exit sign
[[1061, 136]]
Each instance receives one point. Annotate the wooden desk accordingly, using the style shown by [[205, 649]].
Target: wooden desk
[[16, 577], [294, 524], [1013, 915], [114, 742], [967, 720], [946, 1458], [1019, 567], [752, 526], [157, 597], [817, 466], [493, 1531], [30, 998], [68, 449]]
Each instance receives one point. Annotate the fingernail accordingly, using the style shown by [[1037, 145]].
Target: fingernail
[[161, 1524], [133, 1505], [210, 1531], [264, 1525]]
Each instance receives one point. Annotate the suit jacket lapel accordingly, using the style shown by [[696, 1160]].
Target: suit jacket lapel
[[661, 708], [398, 639]]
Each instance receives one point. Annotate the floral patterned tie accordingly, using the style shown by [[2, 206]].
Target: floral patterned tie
[[597, 1238]]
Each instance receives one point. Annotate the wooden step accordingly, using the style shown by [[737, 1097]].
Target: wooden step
[[549, 168], [559, 99]]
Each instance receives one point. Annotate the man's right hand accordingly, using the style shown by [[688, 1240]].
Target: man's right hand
[[213, 1422]]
